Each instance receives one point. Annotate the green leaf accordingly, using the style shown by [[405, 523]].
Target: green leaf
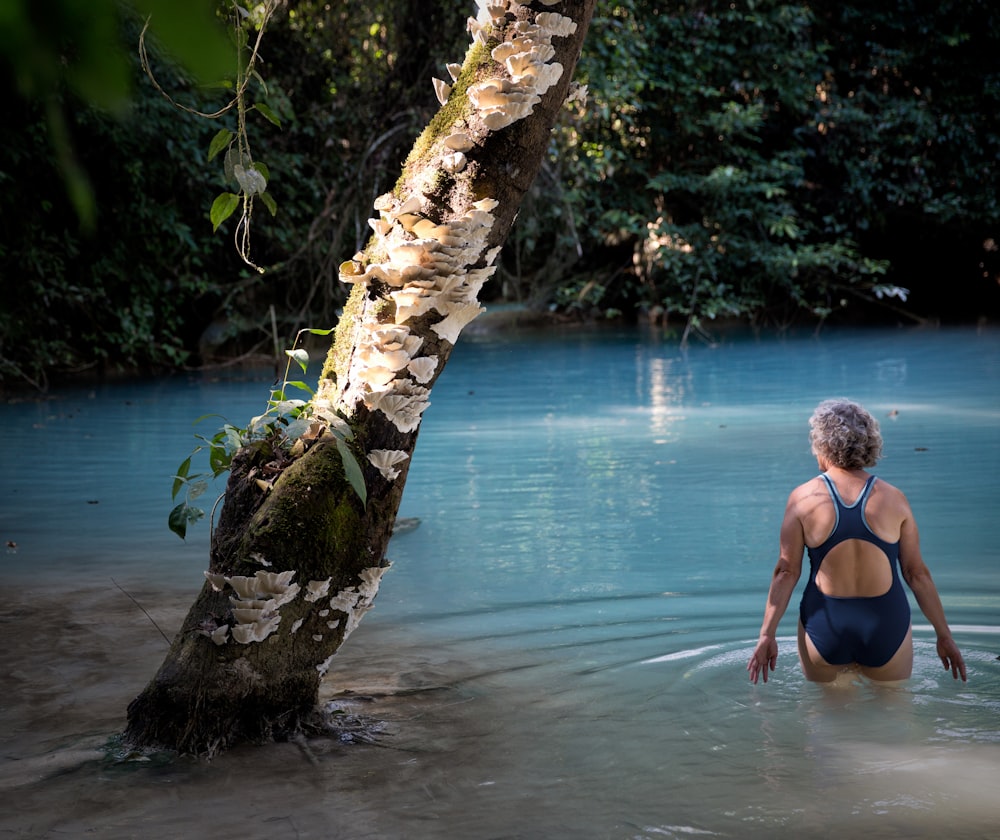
[[269, 203], [340, 428], [302, 386], [298, 427], [322, 332], [250, 180], [182, 516], [181, 476], [300, 356], [267, 114], [288, 406], [220, 460], [262, 169], [353, 471], [222, 208], [234, 437], [219, 142], [229, 163]]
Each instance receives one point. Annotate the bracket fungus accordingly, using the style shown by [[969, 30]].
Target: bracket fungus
[[439, 265], [256, 603], [355, 601], [442, 90], [316, 589], [384, 460]]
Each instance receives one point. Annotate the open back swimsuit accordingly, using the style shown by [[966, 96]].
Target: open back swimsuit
[[847, 630]]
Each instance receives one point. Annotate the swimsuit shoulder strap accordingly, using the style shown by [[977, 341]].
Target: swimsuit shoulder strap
[[832, 490], [866, 490], [835, 494]]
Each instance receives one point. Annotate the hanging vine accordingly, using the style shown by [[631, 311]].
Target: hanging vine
[[248, 177]]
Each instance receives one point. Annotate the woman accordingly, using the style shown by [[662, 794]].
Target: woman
[[854, 614]]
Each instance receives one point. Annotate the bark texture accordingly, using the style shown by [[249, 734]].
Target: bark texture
[[294, 569]]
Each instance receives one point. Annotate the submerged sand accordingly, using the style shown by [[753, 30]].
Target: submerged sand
[[73, 660]]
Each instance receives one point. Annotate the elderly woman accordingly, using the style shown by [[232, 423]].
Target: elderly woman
[[854, 615]]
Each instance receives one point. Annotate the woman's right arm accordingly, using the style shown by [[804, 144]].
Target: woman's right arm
[[791, 544]]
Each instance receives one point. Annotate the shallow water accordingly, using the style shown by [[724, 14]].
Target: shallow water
[[559, 649]]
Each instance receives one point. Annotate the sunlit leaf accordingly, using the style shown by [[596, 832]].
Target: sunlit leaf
[[300, 356], [302, 386], [222, 208], [288, 406], [322, 332]]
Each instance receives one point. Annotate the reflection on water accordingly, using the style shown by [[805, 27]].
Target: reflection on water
[[559, 649]]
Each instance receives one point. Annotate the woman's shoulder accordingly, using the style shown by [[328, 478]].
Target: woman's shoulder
[[884, 493], [809, 490]]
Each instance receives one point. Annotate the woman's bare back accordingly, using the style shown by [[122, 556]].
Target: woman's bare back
[[854, 568]]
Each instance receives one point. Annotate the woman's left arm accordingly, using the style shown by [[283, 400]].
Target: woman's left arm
[[918, 578]]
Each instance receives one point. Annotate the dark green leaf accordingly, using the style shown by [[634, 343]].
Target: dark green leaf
[[182, 516], [269, 203], [219, 459], [268, 114], [181, 476], [219, 142], [353, 471]]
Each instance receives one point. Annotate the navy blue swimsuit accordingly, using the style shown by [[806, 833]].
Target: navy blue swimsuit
[[847, 630]]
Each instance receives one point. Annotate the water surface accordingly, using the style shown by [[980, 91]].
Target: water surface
[[559, 649]]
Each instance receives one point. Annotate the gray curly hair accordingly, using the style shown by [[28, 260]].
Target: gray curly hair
[[845, 434]]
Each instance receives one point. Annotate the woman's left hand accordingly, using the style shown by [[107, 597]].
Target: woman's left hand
[[951, 657], [764, 657]]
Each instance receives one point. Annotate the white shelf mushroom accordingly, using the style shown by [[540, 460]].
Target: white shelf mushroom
[[384, 460], [316, 589], [442, 90], [456, 319], [423, 368]]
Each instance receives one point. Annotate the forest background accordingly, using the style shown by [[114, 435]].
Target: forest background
[[767, 163]]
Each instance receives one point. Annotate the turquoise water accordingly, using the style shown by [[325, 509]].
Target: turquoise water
[[559, 648]]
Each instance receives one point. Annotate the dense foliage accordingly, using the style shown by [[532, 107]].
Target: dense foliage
[[768, 161], [779, 161]]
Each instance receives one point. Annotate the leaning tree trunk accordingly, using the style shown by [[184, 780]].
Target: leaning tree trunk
[[294, 568]]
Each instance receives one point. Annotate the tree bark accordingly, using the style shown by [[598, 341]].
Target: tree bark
[[294, 568]]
